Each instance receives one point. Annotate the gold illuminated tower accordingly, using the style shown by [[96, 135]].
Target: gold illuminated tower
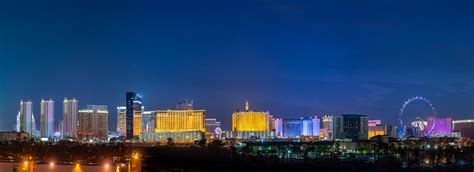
[[137, 120], [180, 120], [250, 120]]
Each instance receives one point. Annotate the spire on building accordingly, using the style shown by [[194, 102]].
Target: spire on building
[[246, 105]]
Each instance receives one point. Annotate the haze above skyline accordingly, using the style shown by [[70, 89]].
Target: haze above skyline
[[290, 58]]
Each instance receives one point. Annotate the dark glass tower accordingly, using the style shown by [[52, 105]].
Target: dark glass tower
[[355, 126], [133, 100]]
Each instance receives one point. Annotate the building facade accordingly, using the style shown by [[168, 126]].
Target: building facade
[[180, 120], [93, 122], [440, 126], [14, 136], [350, 127], [134, 111], [176, 137], [25, 118], [305, 126], [70, 110], [121, 120], [47, 118], [249, 120], [211, 125], [377, 130], [278, 123], [465, 127], [292, 128], [184, 105], [328, 126], [148, 121], [138, 121], [248, 135], [338, 127]]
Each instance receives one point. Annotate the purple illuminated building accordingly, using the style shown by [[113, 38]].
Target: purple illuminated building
[[442, 126]]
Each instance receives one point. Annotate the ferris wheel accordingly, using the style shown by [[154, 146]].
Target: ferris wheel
[[429, 129]]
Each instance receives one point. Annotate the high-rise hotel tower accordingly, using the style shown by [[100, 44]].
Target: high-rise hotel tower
[[70, 117], [249, 120], [134, 111], [25, 118], [47, 118]]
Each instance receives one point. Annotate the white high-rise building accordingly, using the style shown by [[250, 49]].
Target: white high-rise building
[[47, 118], [121, 120], [70, 117], [25, 118]]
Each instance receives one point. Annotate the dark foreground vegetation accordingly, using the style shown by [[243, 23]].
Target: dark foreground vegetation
[[216, 155]]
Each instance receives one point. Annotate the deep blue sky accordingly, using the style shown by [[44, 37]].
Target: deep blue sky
[[292, 58]]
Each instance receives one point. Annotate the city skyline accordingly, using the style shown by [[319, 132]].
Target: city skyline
[[121, 113], [290, 58], [248, 85]]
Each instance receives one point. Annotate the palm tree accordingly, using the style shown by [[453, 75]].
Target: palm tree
[[169, 141]]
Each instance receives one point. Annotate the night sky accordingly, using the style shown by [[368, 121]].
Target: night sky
[[290, 58]]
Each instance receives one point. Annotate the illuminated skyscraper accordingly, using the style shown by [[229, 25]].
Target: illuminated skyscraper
[[306, 126], [133, 114], [292, 128], [138, 121], [121, 120], [70, 117], [278, 125], [338, 127], [249, 120], [184, 105], [93, 122], [328, 126], [271, 123], [25, 118], [47, 118], [180, 120], [183, 126], [314, 126]]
